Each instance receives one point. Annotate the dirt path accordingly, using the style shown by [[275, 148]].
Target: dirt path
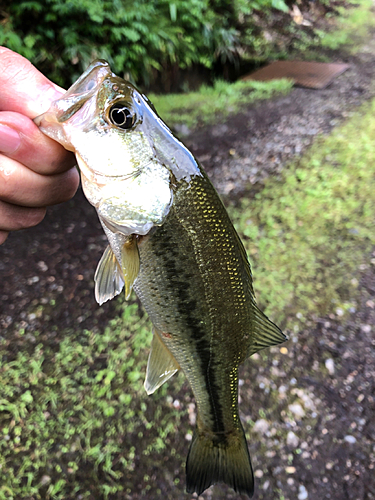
[[262, 139], [51, 268]]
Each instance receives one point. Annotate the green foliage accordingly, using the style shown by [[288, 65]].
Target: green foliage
[[346, 27], [137, 38], [68, 418], [308, 234], [352, 26], [217, 102]]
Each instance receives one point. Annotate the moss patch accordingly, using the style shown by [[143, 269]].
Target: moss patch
[[210, 104], [308, 232], [70, 417]]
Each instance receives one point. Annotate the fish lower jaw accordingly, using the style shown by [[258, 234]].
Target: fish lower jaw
[[126, 227]]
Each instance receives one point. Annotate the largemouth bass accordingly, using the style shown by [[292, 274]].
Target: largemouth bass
[[171, 240]]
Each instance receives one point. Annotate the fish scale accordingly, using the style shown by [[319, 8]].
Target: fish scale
[[171, 239]]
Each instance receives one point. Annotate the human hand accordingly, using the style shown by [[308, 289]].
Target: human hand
[[35, 171]]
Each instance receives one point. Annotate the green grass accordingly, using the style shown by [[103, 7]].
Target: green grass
[[211, 104], [351, 27], [308, 233], [69, 419]]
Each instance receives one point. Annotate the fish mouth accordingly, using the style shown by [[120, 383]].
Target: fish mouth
[[50, 122]]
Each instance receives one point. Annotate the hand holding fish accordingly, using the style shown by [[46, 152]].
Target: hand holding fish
[[35, 171]]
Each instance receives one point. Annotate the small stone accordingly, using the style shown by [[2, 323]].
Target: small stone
[[261, 426], [302, 493], [290, 470], [182, 129], [192, 413], [297, 410], [42, 266], [33, 280], [258, 473], [330, 365], [350, 439], [366, 328], [266, 485], [292, 439]]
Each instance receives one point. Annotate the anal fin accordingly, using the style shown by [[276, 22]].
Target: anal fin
[[108, 277], [161, 364], [265, 333]]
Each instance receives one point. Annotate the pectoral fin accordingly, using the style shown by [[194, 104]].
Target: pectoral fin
[[161, 364], [108, 277], [265, 333], [130, 264]]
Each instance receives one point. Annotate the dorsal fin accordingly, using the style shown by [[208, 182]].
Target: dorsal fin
[[108, 277], [265, 333], [161, 364]]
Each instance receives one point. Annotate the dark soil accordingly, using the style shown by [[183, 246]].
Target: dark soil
[[56, 262]]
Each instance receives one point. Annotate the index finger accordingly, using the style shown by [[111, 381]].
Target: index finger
[[24, 89]]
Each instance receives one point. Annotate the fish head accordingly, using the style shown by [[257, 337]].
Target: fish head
[[127, 156]]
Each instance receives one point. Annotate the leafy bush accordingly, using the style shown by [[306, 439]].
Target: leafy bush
[[138, 38]]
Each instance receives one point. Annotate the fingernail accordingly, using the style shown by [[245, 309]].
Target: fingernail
[[9, 139]]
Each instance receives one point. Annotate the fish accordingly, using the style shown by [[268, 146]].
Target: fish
[[171, 241]]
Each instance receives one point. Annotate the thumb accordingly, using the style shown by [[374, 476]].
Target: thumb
[[24, 89]]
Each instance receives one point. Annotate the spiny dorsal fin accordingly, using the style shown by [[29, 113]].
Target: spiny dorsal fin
[[130, 263], [161, 364], [265, 333], [108, 277]]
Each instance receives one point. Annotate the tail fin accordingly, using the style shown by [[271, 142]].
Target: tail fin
[[210, 461]]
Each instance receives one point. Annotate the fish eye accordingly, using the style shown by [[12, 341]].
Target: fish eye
[[121, 116]]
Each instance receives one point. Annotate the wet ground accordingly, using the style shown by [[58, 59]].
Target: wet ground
[[327, 415]]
